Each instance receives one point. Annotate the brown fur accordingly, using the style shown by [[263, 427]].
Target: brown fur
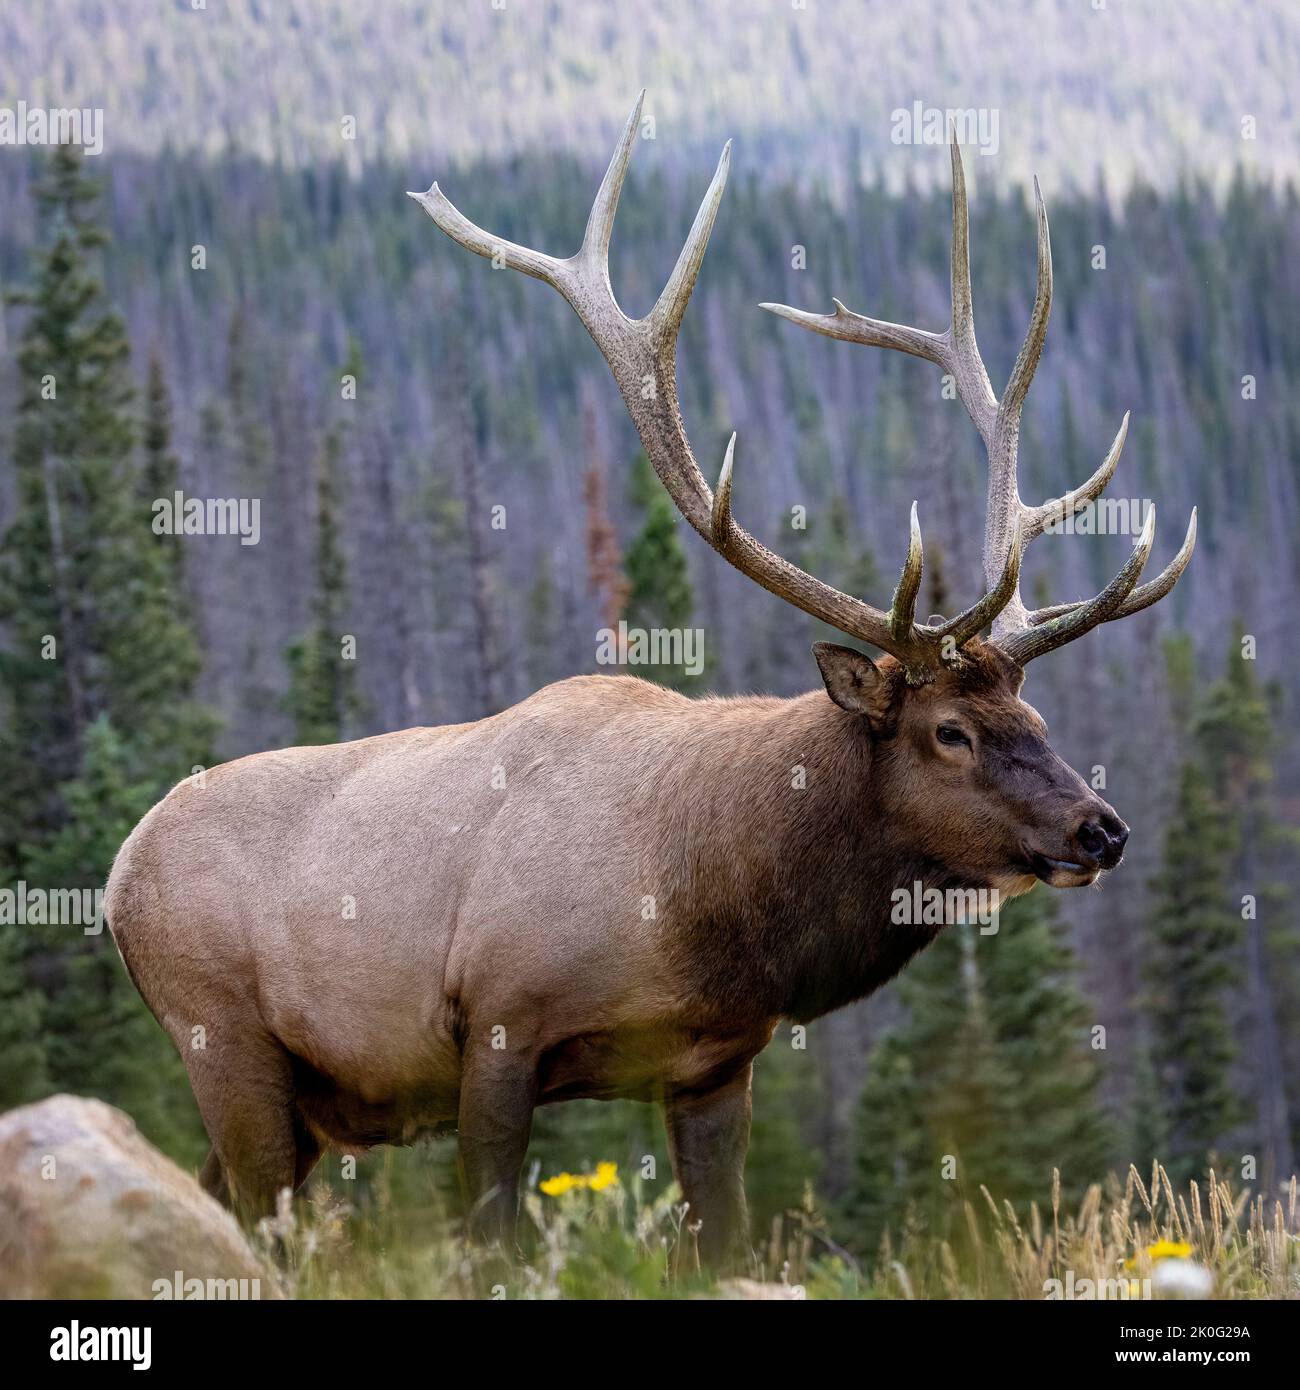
[[630, 915]]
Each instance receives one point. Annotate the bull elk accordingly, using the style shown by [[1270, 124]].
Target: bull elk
[[501, 955]]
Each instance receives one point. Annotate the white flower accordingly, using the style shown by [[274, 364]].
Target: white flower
[[1182, 1279]]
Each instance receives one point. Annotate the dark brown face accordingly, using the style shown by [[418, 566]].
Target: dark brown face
[[969, 777]]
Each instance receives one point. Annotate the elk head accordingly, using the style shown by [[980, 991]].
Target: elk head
[[963, 775], [976, 782]]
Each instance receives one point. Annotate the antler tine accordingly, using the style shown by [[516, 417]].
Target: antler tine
[[902, 611], [1147, 594], [459, 228], [720, 519], [964, 360], [1033, 640], [666, 316], [857, 328], [1141, 597], [600, 221], [1005, 509], [1038, 519], [954, 351], [963, 303], [1017, 388]]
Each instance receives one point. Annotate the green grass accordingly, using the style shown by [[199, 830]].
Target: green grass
[[621, 1243]]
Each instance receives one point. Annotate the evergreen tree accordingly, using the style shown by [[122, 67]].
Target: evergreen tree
[[1192, 960], [87, 597], [1043, 1029], [100, 1038], [24, 1073], [989, 1080], [659, 594], [781, 1164], [97, 673], [1236, 736], [1222, 961], [320, 680], [160, 474]]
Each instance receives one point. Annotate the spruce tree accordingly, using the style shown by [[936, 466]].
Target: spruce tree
[[160, 473], [24, 1065], [100, 1038], [659, 594], [781, 1164], [320, 680], [97, 673], [1191, 963], [989, 1080], [1218, 965], [1043, 1026], [86, 595]]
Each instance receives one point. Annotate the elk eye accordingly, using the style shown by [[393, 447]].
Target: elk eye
[[950, 733]]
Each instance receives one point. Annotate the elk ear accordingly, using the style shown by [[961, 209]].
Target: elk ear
[[854, 681]]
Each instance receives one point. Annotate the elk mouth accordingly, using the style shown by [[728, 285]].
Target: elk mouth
[[1064, 873]]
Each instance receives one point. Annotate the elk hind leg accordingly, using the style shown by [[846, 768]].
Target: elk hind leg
[[244, 1089]]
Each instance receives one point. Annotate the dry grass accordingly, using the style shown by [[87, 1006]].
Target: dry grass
[[1248, 1246], [614, 1244]]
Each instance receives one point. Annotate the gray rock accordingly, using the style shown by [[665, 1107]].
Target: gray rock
[[90, 1209]]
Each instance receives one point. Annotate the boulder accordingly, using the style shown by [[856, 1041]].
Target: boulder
[[90, 1209]]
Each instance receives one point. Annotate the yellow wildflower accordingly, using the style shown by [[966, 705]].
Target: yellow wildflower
[[1169, 1250], [606, 1175]]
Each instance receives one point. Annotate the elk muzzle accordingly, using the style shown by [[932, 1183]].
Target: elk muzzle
[[1096, 844], [1102, 839]]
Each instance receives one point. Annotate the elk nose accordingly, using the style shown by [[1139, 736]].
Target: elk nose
[[1103, 839]]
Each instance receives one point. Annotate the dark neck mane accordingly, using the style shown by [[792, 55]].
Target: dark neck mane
[[780, 896]]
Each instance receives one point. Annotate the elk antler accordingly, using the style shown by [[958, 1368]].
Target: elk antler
[[1022, 634], [642, 354]]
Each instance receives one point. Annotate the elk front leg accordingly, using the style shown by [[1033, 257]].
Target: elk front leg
[[497, 1093], [708, 1134]]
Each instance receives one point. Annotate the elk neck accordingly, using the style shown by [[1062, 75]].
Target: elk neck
[[783, 857]]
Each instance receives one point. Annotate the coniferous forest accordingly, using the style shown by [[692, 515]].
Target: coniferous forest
[[452, 504]]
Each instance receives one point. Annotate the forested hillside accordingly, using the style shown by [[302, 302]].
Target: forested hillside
[[445, 474], [1122, 90]]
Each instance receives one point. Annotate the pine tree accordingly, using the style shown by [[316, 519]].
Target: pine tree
[[100, 1038], [24, 1073], [160, 474], [1192, 961], [934, 1118], [659, 594], [990, 1079], [1233, 745], [1235, 733], [93, 623], [781, 1164], [1043, 1027], [320, 680], [97, 674]]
